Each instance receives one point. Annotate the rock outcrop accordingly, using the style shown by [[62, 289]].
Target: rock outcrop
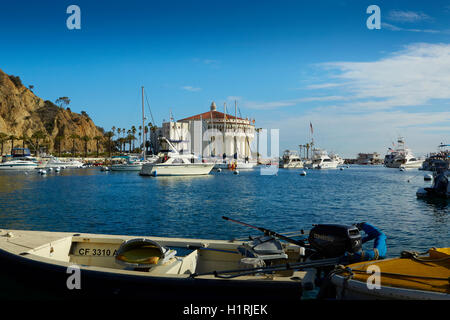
[[23, 114]]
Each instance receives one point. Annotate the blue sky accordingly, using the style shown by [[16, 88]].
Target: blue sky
[[287, 63]]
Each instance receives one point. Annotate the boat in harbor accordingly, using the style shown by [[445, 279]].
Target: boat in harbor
[[18, 165], [266, 268], [113, 266], [55, 162], [440, 188], [401, 157], [290, 159], [237, 164], [173, 163], [412, 276], [321, 160], [438, 160], [132, 164], [20, 159]]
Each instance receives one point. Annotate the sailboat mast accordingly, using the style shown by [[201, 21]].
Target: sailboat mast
[[143, 124]]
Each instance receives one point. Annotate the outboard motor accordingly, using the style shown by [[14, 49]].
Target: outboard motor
[[333, 240]]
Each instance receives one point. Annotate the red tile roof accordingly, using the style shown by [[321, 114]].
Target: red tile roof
[[212, 114]]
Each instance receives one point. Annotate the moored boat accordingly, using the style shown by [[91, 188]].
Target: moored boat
[[439, 189], [321, 160], [47, 264], [18, 165], [409, 277], [173, 163], [290, 159], [402, 157]]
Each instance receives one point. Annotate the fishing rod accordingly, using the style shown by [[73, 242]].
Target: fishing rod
[[269, 232], [228, 274]]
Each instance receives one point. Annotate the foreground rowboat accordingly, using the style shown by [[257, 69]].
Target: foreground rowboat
[[46, 265]]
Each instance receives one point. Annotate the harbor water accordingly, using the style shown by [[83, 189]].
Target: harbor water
[[91, 201]]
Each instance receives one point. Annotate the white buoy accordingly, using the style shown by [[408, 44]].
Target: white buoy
[[341, 168], [428, 177], [219, 170], [57, 169], [236, 172], [303, 173]]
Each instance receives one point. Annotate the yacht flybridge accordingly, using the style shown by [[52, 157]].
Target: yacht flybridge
[[173, 163]]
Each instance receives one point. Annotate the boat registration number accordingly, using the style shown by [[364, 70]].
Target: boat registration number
[[96, 252]]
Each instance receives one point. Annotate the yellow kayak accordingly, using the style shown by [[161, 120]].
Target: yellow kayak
[[412, 276]]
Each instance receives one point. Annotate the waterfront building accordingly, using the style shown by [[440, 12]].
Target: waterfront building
[[368, 158], [220, 134]]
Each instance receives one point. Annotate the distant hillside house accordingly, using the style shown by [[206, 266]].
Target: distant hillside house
[[218, 133]]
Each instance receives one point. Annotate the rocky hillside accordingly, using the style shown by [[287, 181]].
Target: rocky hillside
[[24, 115]]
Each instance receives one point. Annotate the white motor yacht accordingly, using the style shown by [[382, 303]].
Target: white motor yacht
[[402, 157], [21, 160], [173, 163], [321, 160], [291, 159], [18, 165], [133, 165]]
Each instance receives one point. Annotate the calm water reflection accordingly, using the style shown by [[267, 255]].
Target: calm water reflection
[[87, 200]]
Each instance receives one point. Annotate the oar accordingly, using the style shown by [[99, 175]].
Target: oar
[[269, 232], [280, 267]]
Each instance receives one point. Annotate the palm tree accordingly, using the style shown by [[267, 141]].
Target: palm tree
[[24, 139], [12, 138], [97, 139], [38, 135], [74, 137], [133, 132], [58, 140], [86, 139], [3, 139], [140, 135], [109, 136]]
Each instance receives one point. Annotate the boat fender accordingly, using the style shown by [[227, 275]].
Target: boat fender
[[379, 245]]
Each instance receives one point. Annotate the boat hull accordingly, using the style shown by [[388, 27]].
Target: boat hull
[[131, 167], [410, 277], [176, 169], [46, 268], [16, 167]]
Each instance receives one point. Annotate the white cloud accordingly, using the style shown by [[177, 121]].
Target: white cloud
[[350, 133], [396, 28], [287, 103], [414, 76], [191, 89], [407, 16]]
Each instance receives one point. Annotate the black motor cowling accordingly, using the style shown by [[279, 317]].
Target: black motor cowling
[[333, 240]]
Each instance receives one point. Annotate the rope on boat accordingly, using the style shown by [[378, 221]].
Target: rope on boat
[[416, 256]]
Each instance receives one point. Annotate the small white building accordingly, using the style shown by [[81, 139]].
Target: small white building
[[211, 134]]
